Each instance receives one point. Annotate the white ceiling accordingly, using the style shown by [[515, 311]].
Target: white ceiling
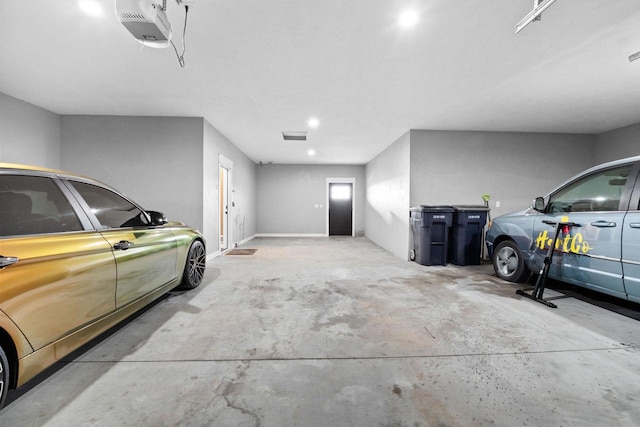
[[255, 68]]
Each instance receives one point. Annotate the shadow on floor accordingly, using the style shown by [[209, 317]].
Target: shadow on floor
[[607, 302]]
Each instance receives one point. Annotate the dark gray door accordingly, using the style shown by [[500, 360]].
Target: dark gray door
[[340, 209]]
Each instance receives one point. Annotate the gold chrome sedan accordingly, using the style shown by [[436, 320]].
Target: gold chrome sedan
[[76, 257]]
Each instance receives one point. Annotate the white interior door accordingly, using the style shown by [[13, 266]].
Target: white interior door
[[224, 208], [225, 186]]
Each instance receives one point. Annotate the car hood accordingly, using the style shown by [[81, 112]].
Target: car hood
[[514, 214], [518, 225]]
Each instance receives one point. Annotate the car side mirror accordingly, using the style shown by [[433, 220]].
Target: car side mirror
[[538, 204], [157, 218]]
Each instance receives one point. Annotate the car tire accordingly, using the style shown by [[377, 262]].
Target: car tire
[[5, 377], [508, 262], [194, 266]]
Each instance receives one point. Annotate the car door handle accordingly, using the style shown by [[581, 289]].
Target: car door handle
[[6, 261], [554, 223], [635, 225], [603, 224], [122, 245]]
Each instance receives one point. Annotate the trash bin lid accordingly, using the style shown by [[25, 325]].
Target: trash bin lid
[[471, 208], [428, 208]]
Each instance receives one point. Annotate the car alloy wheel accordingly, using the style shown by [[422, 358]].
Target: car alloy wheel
[[195, 266]]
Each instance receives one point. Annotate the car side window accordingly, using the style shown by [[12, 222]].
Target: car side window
[[597, 192], [34, 205], [111, 209]]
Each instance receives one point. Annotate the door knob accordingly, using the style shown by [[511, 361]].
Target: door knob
[[6, 261], [122, 245]]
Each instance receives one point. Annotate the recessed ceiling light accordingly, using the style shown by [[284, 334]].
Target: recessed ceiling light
[[408, 18], [311, 152], [313, 122], [90, 7]]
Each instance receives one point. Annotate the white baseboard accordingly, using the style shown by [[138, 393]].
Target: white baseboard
[[282, 235], [219, 253], [289, 235], [213, 255], [243, 241]]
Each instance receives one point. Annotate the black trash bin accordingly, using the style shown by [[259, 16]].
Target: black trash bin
[[430, 230], [467, 234]]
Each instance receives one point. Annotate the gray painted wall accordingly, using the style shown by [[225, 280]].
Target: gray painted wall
[[387, 210], [28, 134], [242, 216], [171, 164], [287, 196], [618, 144], [154, 160], [451, 167]]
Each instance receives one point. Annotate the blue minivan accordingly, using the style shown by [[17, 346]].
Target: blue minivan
[[600, 251]]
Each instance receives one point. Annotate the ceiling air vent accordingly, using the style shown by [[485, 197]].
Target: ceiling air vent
[[294, 135]]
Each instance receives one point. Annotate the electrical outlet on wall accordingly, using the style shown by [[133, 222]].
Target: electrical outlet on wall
[[498, 204]]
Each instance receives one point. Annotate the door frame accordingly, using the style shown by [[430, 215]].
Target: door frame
[[224, 162], [351, 181]]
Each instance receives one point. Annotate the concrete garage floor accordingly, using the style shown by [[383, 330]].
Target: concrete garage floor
[[338, 332]]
